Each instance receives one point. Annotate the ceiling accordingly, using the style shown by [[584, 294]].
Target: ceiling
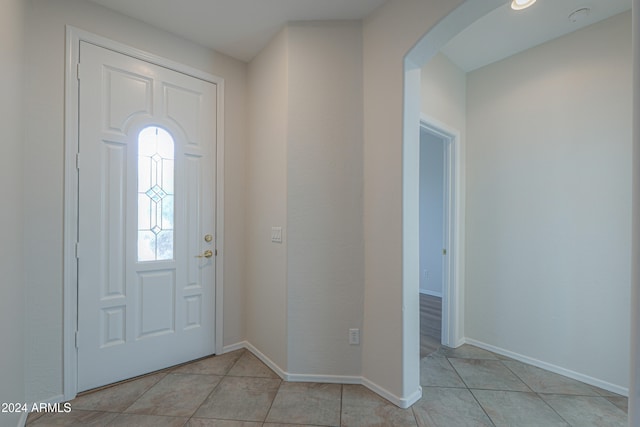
[[505, 32], [241, 28], [238, 28]]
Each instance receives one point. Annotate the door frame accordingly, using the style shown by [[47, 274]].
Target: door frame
[[452, 273], [70, 232]]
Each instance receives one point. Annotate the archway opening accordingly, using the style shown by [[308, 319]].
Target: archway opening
[[422, 52]]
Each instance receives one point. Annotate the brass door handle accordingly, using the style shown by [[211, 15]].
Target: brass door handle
[[207, 254]]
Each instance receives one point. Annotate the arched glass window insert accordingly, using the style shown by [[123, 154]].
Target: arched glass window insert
[[156, 156]]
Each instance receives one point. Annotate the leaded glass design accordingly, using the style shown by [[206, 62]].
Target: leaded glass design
[[155, 194]]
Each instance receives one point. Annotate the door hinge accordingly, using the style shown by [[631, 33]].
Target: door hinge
[[444, 252], [76, 339], [78, 71], [216, 252], [77, 250], [78, 161]]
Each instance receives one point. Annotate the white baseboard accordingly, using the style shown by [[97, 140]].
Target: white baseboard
[[431, 293], [270, 363], [234, 347], [333, 379], [460, 342], [402, 402], [23, 419], [552, 368]]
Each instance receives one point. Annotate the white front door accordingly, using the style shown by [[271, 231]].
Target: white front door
[[146, 251]]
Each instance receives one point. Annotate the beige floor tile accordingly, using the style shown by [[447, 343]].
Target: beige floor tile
[[135, 420], [116, 398], [175, 395], [34, 416], [307, 403], [487, 374], [506, 409], [238, 390], [587, 411], [206, 422], [74, 418], [542, 381], [449, 407], [436, 371], [284, 425], [363, 408], [604, 393], [249, 365], [240, 398], [620, 402], [428, 345]]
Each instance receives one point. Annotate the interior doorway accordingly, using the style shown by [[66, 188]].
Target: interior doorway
[[439, 230], [432, 250]]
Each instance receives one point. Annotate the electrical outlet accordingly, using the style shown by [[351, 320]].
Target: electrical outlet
[[354, 336]]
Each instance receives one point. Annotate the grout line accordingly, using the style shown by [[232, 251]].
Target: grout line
[[457, 373], [273, 400], [446, 387], [470, 392], [481, 407], [208, 396], [235, 363], [517, 376], [552, 408], [413, 411]]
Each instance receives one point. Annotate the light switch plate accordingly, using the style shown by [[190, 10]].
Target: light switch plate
[[276, 234], [354, 336]]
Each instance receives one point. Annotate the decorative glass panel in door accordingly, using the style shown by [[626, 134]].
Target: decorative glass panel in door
[[156, 155]]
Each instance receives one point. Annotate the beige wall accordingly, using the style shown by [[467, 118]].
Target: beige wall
[[391, 330], [443, 93], [11, 245], [305, 175], [266, 296], [43, 179], [325, 270], [549, 203]]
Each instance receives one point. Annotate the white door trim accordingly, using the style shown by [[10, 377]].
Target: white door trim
[[70, 277], [452, 295]]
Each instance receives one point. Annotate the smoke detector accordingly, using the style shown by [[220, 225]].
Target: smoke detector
[[579, 14]]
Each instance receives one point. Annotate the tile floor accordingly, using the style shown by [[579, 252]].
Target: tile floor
[[461, 387]]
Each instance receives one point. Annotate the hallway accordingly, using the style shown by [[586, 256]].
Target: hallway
[[430, 324]]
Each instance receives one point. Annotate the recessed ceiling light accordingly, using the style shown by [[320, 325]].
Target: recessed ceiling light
[[521, 4]]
